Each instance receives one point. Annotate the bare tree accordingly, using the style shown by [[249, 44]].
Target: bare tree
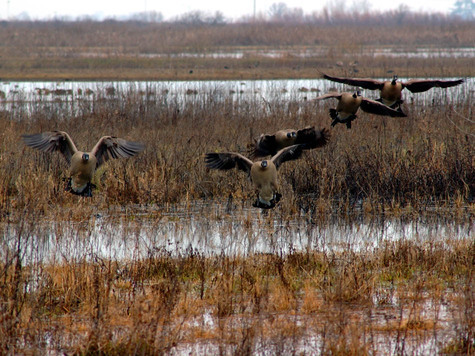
[[464, 9]]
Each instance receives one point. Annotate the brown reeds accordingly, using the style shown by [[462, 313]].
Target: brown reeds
[[389, 299], [260, 50], [382, 164], [399, 296]]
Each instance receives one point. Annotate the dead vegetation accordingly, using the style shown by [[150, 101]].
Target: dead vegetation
[[398, 296], [260, 50]]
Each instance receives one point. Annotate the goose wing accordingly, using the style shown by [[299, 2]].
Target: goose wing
[[109, 147], [312, 138], [418, 86], [228, 160], [366, 83], [52, 141], [264, 146], [287, 154], [377, 108]]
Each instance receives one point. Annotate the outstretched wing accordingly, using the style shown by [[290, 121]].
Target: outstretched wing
[[312, 138], [228, 160], [287, 154], [109, 147], [375, 107], [329, 96], [52, 141], [264, 146], [366, 83], [418, 86]]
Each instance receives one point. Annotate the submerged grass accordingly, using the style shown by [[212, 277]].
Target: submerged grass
[[401, 297], [391, 299]]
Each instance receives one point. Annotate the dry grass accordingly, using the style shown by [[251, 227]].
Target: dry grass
[[401, 297], [126, 51], [396, 166], [253, 305]]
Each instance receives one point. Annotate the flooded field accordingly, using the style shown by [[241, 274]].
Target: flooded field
[[218, 270], [235, 232], [74, 96], [370, 250], [304, 52]]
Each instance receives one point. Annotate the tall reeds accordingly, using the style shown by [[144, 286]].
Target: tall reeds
[[398, 296]]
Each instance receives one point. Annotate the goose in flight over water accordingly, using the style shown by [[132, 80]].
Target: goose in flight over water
[[391, 90], [82, 164], [269, 145], [348, 105], [263, 173]]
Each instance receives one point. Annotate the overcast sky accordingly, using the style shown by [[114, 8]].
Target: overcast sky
[[46, 9]]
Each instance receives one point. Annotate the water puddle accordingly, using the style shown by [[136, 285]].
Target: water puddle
[[305, 52], [210, 230], [74, 96]]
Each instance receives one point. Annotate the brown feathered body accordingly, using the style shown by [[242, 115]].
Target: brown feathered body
[[81, 171], [264, 180], [82, 165], [263, 174], [391, 90], [348, 105], [270, 144], [391, 93]]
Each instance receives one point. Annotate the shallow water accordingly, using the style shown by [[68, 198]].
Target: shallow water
[[73, 98], [420, 52], [211, 230], [301, 89]]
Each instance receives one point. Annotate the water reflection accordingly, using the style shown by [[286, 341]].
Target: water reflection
[[130, 237], [74, 97], [392, 52]]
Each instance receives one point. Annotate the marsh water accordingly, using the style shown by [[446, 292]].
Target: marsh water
[[74, 94], [121, 236], [213, 229]]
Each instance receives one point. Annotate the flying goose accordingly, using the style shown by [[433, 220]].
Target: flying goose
[[391, 89], [348, 105], [263, 173], [82, 164], [267, 144]]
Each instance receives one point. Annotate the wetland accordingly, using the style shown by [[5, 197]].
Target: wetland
[[370, 251]]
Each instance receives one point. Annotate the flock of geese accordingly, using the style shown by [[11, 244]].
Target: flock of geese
[[282, 146]]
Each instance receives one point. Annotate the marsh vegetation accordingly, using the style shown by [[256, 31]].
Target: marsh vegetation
[[114, 51], [370, 251], [187, 285]]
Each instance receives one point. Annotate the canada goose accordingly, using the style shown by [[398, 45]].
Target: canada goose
[[263, 173], [391, 89], [270, 144], [348, 105], [82, 164]]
